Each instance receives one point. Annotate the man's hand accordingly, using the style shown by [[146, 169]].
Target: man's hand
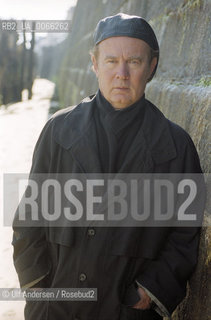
[[144, 302]]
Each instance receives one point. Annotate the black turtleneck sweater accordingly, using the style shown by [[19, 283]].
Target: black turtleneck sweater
[[116, 130]]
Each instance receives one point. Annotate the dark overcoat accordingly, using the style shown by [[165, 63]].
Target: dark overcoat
[[109, 259]]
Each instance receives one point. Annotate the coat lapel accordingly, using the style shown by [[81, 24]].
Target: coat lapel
[[152, 145], [158, 136], [77, 134], [85, 151]]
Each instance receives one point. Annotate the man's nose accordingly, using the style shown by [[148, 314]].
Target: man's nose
[[122, 71]]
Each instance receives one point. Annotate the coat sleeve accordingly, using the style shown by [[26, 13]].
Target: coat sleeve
[[166, 277], [30, 246]]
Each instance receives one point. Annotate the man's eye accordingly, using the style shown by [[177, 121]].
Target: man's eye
[[134, 61], [111, 61]]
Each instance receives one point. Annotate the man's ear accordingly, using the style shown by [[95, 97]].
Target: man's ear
[[153, 65], [94, 65]]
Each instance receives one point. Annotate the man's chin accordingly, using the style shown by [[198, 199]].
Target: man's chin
[[121, 105], [120, 102]]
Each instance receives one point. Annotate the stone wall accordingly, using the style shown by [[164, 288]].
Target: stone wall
[[181, 89]]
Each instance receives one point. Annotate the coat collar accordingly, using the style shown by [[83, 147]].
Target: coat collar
[[156, 129], [73, 122], [75, 131]]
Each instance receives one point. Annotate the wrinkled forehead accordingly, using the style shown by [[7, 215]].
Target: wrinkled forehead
[[126, 46]]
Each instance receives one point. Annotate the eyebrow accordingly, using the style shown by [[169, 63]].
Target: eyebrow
[[110, 57], [129, 58], [135, 58]]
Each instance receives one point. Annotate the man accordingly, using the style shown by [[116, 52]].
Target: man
[[140, 273]]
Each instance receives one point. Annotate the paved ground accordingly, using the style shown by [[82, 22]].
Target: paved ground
[[20, 126]]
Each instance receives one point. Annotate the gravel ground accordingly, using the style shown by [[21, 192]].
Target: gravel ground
[[20, 125]]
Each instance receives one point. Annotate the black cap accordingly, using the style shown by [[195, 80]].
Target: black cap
[[125, 25]]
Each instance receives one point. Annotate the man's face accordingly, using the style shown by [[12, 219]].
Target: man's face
[[123, 68]]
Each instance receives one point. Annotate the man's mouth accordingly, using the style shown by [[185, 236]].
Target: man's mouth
[[121, 88]]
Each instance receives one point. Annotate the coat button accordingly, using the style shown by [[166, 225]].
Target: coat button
[[91, 232], [82, 277]]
